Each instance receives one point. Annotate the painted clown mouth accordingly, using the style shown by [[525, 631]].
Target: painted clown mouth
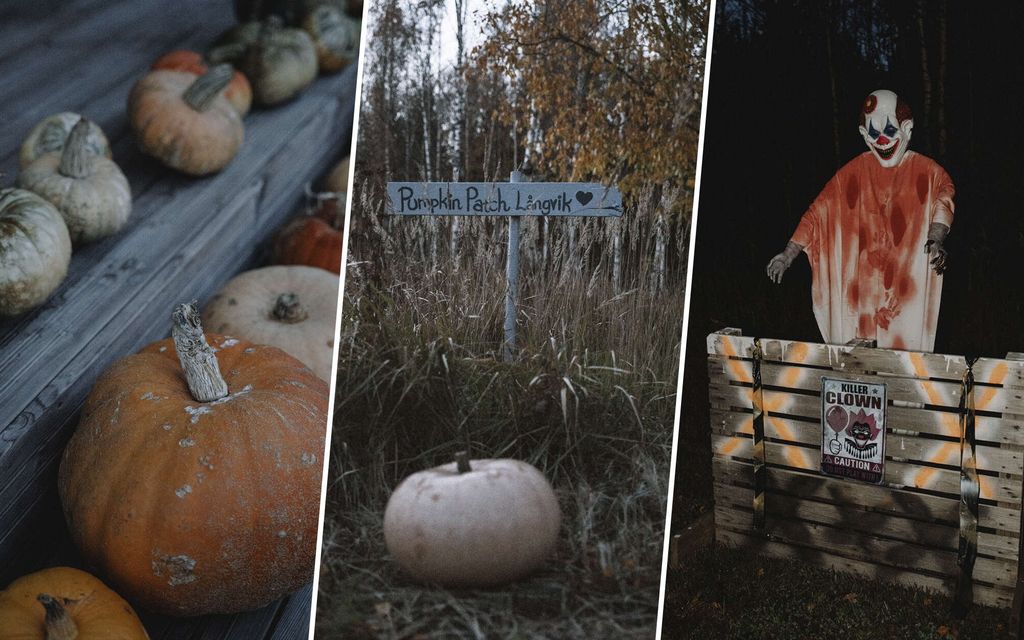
[[886, 154], [861, 451]]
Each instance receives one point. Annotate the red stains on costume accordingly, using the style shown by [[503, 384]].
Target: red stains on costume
[[897, 224], [852, 192], [922, 187], [864, 236]]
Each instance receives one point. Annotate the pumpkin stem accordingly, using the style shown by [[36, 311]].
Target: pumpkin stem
[[201, 93], [462, 462], [59, 625], [198, 360], [77, 160], [288, 309]]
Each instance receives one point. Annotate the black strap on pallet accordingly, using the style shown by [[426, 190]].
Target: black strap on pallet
[[760, 469], [969, 491]]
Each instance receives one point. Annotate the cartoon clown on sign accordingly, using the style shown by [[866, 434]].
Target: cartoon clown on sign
[[875, 237]]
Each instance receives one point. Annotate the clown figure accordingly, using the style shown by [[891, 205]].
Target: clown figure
[[874, 237]]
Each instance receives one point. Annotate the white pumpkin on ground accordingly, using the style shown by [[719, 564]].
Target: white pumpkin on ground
[[35, 251], [289, 307], [479, 523]]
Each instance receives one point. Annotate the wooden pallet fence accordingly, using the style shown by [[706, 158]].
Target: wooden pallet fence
[[941, 518]]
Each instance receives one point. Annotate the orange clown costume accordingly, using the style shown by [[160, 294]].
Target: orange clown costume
[[874, 237]]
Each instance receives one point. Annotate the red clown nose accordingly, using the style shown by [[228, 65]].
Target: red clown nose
[[882, 140]]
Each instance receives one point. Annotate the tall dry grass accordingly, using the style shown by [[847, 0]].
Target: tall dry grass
[[589, 400]]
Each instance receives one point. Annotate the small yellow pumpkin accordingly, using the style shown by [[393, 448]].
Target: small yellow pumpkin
[[63, 603]]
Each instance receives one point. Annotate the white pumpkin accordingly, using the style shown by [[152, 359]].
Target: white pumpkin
[[89, 190], [35, 251], [495, 521], [292, 308], [51, 133]]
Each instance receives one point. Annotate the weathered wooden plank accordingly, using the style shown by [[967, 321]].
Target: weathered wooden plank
[[982, 594], [899, 446], [293, 622], [858, 545], [251, 624], [898, 389], [27, 24], [943, 536], [904, 502], [904, 475], [1008, 429], [1008, 372], [842, 358]]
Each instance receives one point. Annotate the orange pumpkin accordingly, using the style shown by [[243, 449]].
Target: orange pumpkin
[[197, 492], [65, 604], [185, 121], [238, 92], [315, 240]]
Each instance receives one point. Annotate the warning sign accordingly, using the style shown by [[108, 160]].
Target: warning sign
[[853, 429]]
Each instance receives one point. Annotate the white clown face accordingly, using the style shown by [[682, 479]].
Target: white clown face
[[886, 136]]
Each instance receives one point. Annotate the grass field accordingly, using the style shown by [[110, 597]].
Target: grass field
[[589, 400]]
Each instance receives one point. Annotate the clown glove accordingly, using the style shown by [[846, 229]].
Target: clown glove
[[781, 262], [937, 233]]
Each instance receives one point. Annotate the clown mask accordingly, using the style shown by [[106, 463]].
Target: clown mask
[[886, 123]]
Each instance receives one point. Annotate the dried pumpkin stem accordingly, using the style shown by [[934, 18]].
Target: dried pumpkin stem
[[198, 360], [201, 93], [77, 160], [288, 309], [462, 462], [59, 625]]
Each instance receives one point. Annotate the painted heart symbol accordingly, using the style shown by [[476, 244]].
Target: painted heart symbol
[[583, 197]]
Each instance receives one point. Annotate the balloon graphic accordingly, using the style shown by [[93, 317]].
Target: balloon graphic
[[837, 418]]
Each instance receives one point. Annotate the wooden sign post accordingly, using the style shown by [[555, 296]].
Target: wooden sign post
[[515, 199]]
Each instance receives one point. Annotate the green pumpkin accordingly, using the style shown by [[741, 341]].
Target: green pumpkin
[[35, 250], [279, 61]]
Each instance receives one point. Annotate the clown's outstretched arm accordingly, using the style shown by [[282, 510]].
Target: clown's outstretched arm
[[781, 262]]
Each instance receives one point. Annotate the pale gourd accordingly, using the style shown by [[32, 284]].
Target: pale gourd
[[51, 133], [335, 36], [478, 523], [35, 251], [89, 190], [290, 307], [279, 61]]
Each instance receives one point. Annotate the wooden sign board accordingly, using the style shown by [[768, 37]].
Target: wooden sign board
[[545, 199], [853, 429]]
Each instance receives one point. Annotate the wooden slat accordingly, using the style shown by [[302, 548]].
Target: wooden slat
[[904, 502], [843, 358], [983, 595], [907, 390], [903, 447], [868, 548], [293, 621], [943, 536]]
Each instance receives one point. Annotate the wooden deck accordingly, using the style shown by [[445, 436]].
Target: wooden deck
[[185, 238]]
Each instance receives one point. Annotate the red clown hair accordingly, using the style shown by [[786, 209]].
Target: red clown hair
[[903, 111]]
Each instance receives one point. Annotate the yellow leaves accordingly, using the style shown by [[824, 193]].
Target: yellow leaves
[[607, 84]]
